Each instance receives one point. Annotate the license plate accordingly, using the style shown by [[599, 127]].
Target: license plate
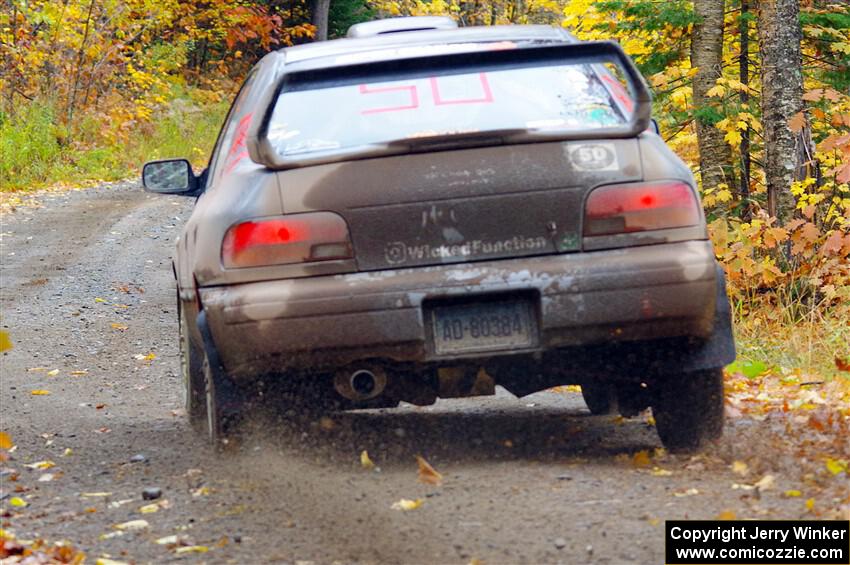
[[487, 326]]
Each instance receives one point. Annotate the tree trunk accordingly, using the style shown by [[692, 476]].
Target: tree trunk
[[782, 98], [744, 77], [715, 156], [320, 18]]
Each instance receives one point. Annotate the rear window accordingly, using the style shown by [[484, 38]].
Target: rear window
[[536, 99]]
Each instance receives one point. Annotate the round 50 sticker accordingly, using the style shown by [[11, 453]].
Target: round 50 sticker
[[593, 157]]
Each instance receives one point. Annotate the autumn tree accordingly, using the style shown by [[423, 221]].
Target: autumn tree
[[321, 18], [782, 99], [715, 156]]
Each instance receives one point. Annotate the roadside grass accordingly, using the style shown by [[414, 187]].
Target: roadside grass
[[788, 340], [37, 152]]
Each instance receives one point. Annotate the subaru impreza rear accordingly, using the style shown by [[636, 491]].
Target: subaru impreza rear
[[434, 213]]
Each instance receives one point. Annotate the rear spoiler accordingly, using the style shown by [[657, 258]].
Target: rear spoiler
[[312, 74]]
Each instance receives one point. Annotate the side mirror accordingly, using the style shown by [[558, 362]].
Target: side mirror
[[653, 126], [170, 176]]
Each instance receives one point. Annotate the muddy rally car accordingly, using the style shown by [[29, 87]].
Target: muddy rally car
[[420, 211]]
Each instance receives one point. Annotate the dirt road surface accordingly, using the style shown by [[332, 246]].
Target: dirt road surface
[[89, 300]]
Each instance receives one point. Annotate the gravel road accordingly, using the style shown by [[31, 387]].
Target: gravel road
[[89, 300]]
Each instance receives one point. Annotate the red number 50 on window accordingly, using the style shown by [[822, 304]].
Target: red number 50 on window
[[413, 102]]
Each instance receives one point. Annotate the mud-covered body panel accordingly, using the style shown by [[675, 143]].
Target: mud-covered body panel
[[581, 299], [457, 206]]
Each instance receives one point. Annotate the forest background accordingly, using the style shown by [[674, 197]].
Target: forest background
[[753, 95]]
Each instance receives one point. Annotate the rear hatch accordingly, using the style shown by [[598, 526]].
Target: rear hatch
[[463, 205], [458, 157]]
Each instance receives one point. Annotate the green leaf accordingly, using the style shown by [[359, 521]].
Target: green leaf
[[750, 369]]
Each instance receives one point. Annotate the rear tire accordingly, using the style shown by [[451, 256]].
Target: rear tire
[[600, 397], [688, 409], [192, 372]]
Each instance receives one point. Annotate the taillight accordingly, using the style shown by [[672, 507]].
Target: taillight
[[299, 238], [636, 207]]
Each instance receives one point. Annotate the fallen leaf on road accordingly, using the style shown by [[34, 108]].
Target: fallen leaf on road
[[727, 515], [47, 477], [41, 465], [5, 342], [68, 452], [119, 327], [154, 507], [427, 474], [80, 372], [201, 491], [810, 504], [132, 525], [100, 300], [836, 466], [53, 373], [18, 502], [5, 441], [659, 472], [168, 540], [95, 494], [365, 462], [141, 357], [405, 504], [641, 459], [765, 483], [793, 493], [194, 478], [107, 561], [687, 492], [39, 392], [192, 549], [740, 468], [37, 370]]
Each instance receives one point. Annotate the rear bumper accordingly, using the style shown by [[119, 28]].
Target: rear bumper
[[643, 293]]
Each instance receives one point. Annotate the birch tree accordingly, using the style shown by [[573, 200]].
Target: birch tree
[[715, 156], [782, 98]]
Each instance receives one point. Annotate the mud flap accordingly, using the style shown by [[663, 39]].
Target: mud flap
[[229, 399], [719, 349]]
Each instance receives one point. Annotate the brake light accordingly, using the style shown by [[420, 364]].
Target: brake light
[[298, 238], [637, 207]]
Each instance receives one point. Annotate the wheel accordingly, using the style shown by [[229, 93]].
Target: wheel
[[600, 397], [192, 372], [688, 409]]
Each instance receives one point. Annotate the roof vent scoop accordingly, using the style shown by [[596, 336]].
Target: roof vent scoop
[[399, 25]]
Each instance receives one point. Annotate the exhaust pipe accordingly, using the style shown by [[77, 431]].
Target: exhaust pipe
[[361, 384]]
